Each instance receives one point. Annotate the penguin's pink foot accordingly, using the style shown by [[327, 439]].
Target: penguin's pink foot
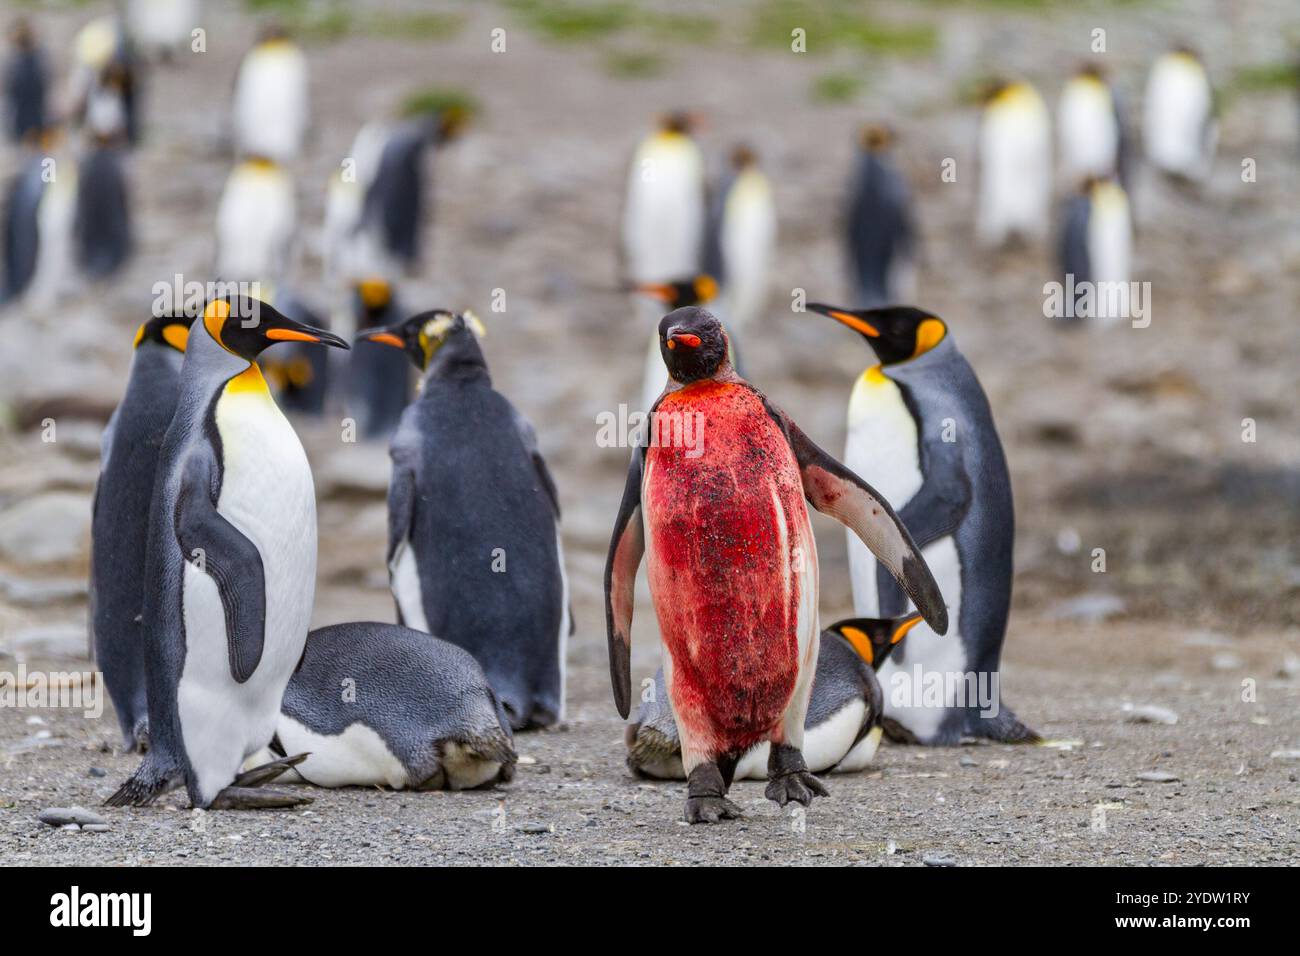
[[789, 779], [706, 800]]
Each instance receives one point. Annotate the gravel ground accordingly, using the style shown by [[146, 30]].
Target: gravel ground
[[1129, 441]]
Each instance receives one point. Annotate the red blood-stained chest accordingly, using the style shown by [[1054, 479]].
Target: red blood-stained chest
[[728, 549]]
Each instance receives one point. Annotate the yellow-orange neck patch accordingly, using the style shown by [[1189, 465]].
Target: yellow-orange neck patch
[[248, 381], [861, 643], [214, 319], [929, 334]]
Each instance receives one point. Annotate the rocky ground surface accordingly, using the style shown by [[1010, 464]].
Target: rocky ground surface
[[1129, 440]]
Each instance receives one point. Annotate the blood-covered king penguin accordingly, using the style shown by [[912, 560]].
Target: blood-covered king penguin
[[733, 566]]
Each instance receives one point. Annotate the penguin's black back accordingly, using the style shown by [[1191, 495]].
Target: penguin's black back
[[879, 226], [21, 240], [25, 84], [476, 491], [120, 526], [103, 225]]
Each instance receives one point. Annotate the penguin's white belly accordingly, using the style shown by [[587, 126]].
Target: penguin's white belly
[[824, 745], [404, 575], [271, 102], [358, 757], [931, 661], [255, 224], [861, 756], [748, 240], [267, 493], [162, 23], [1089, 132], [1177, 113], [663, 223], [882, 450], [1015, 173], [1110, 241]]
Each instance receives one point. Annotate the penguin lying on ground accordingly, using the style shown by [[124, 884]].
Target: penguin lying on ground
[[920, 429], [474, 550], [1015, 165], [881, 236], [231, 563], [732, 565], [841, 730], [120, 522], [380, 705], [1178, 128], [1096, 247]]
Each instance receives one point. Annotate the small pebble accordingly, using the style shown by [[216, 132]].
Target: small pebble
[[1149, 714], [1157, 776], [65, 816], [938, 861]]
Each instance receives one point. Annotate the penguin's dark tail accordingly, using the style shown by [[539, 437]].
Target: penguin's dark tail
[[146, 785], [1005, 728]]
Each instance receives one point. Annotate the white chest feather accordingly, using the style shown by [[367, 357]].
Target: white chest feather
[[1088, 130], [271, 102], [255, 222], [748, 243], [267, 494], [663, 224], [1110, 234], [1015, 152], [358, 757], [1177, 125], [882, 450]]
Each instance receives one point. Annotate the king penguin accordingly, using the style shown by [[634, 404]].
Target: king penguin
[[120, 517], [298, 372], [162, 28], [880, 231], [381, 705], [103, 216], [230, 563], [920, 429], [40, 242], [1096, 247], [256, 221], [379, 379], [698, 290], [841, 731], [1092, 138], [474, 552], [271, 107], [732, 565], [740, 242], [26, 85], [104, 87], [1179, 128], [1015, 165]]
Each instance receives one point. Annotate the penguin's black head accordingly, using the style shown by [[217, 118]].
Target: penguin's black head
[[743, 157], [422, 336], [678, 121], [245, 326], [896, 333], [877, 137], [875, 637], [374, 295], [692, 344], [698, 291], [172, 331], [21, 35]]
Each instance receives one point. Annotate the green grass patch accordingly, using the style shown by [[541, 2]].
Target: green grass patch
[[438, 99], [633, 64], [836, 23], [1265, 78], [415, 26], [564, 21], [839, 86]]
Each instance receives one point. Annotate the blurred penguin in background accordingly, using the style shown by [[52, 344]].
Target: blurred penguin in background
[[298, 373], [104, 87], [375, 209], [740, 242], [256, 220], [379, 377], [1179, 128], [1090, 128], [271, 106], [1096, 247], [1015, 157], [881, 235], [26, 85], [663, 222], [103, 217], [40, 259], [161, 28]]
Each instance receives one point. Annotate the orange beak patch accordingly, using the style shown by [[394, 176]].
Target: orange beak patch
[[290, 335], [386, 338], [853, 322], [684, 338], [664, 293]]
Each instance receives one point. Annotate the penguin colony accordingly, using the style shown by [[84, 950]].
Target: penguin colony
[[204, 540]]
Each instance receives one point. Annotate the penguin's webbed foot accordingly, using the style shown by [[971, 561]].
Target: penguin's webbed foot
[[706, 800], [789, 777], [256, 798]]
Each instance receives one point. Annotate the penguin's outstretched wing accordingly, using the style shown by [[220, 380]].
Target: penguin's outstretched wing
[[231, 560], [528, 435], [625, 550], [405, 453], [834, 490]]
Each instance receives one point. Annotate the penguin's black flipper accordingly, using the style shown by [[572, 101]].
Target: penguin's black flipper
[[834, 490], [233, 562], [265, 773], [625, 550], [940, 506], [528, 435]]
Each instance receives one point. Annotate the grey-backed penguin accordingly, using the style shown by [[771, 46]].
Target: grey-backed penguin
[[1179, 129], [879, 229], [378, 379], [1015, 165], [474, 550], [1096, 246], [26, 85], [381, 705], [231, 561], [920, 430], [120, 522], [841, 729], [103, 218]]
